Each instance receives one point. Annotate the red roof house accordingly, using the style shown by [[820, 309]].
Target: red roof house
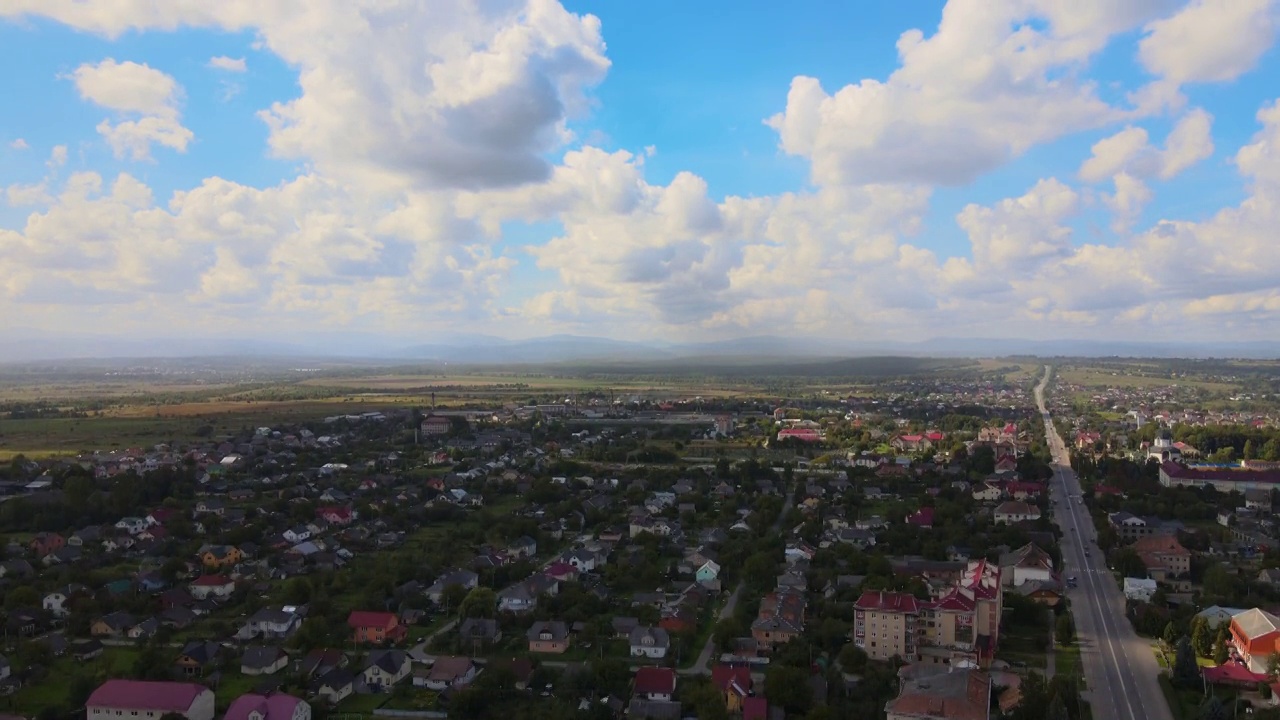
[[655, 683], [126, 697], [375, 627]]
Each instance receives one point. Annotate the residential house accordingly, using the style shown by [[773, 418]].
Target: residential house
[[1139, 589], [1256, 635], [263, 660], [955, 695], [46, 543], [1164, 557], [464, 579], [548, 637], [477, 633], [708, 572], [654, 683], [734, 683], [297, 534], [270, 624], [320, 661], [114, 624], [649, 642], [334, 686], [198, 657], [1130, 527], [780, 618], [518, 598], [215, 587], [221, 556], [523, 546], [55, 603], [447, 672], [1025, 564], [149, 699], [386, 668], [375, 627], [274, 706], [1015, 511]]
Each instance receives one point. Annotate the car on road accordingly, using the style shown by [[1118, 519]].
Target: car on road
[[1086, 553]]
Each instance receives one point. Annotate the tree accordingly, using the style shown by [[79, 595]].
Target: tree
[[1213, 709], [23, 596], [1220, 653], [1064, 630], [1185, 672], [1273, 664], [1249, 453], [1170, 634], [481, 602], [297, 591], [853, 659], [1057, 709], [1201, 639], [788, 687]]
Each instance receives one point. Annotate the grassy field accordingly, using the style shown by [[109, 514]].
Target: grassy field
[[1095, 377]]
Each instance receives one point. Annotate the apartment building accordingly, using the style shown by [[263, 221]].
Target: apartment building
[[960, 626]]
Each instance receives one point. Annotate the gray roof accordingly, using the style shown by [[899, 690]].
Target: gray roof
[[657, 637]]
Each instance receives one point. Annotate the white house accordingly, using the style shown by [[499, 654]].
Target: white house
[[218, 587], [387, 668], [132, 525], [1015, 511], [297, 534], [55, 603], [446, 672], [988, 492], [1140, 589], [649, 642]]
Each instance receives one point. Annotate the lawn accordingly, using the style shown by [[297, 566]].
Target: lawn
[[362, 704], [52, 691], [1067, 662]]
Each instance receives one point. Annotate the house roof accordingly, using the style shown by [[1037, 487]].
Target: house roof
[[276, 706], [212, 581], [368, 618], [159, 696], [882, 601], [723, 675], [956, 695], [655, 681], [449, 668], [258, 656], [1255, 623]]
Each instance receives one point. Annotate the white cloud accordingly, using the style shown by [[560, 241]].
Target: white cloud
[[1126, 203], [129, 87], [1017, 234], [985, 87], [135, 137], [57, 157], [229, 64], [1209, 40], [466, 95], [1129, 151], [19, 144]]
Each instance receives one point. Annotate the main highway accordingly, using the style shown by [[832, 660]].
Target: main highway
[[1119, 667]]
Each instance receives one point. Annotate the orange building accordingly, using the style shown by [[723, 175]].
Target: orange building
[[1256, 634], [375, 627]]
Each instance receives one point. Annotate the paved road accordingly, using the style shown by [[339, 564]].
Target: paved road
[[1120, 668], [704, 658]]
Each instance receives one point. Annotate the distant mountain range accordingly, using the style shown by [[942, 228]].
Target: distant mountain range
[[25, 346]]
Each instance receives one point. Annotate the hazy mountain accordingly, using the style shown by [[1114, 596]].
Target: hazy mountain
[[28, 345]]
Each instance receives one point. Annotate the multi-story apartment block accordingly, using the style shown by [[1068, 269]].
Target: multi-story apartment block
[[960, 626]]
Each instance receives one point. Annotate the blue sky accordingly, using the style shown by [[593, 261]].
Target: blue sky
[[663, 170]]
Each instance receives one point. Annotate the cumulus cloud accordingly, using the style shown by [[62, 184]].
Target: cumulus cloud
[[229, 64], [467, 95], [131, 88], [18, 144], [1209, 40], [986, 86]]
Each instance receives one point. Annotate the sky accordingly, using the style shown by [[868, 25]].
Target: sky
[[665, 170]]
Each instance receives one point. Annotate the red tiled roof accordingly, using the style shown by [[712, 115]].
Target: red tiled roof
[[1232, 673], [655, 681], [882, 601], [367, 618], [211, 581], [755, 708], [146, 695], [722, 675], [1173, 469]]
